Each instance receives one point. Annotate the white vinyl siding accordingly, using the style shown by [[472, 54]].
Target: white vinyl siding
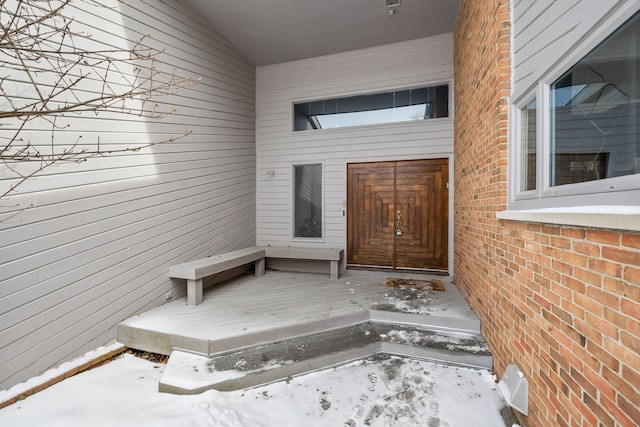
[[416, 63], [95, 247]]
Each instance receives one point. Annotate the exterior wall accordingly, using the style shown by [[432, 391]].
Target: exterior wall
[[544, 33], [96, 246], [401, 65], [559, 301]]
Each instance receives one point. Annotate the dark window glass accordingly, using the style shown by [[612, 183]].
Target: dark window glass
[[307, 200], [528, 146], [399, 106], [595, 114]]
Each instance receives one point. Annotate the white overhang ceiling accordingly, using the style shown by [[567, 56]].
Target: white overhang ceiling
[[273, 31]]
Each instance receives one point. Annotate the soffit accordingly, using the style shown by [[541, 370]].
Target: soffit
[[273, 31]]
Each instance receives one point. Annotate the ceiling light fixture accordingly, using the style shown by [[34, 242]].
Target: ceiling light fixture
[[392, 5]]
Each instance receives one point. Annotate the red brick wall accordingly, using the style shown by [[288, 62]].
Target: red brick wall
[[561, 302]]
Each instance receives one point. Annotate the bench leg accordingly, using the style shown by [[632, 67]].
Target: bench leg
[[335, 265], [194, 291], [260, 266]]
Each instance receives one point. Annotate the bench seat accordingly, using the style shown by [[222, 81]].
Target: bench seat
[[334, 256], [195, 271]]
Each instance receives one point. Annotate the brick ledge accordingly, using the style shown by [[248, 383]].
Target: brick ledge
[[625, 218]]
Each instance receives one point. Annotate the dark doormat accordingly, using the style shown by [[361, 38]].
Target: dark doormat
[[429, 285]]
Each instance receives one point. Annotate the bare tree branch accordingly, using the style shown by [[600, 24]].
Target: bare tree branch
[[49, 71]]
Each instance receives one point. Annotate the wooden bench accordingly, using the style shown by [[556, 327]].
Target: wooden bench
[[334, 256], [195, 271]]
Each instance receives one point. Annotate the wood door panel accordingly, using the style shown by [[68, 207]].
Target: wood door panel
[[424, 184], [375, 194], [419, 245], [371, 202]]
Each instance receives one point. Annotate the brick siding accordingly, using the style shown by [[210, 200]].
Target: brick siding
[[562, 302]]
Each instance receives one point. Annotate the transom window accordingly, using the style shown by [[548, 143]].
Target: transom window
[[389, 107]]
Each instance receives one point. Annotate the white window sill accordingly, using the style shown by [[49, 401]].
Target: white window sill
[[612, 217]]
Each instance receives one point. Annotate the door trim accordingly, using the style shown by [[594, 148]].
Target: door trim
[[443, 171]]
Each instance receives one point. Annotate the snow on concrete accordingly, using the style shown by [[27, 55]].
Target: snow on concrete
[[379, 391]]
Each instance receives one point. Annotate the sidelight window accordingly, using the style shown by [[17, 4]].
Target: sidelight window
[[528, 146], [307, 201]]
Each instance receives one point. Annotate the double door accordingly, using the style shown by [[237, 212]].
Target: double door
[[398, 214]]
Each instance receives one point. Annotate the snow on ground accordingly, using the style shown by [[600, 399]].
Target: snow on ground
[[378, 391]]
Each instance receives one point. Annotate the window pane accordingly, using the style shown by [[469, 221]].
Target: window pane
[[308, 201], [399, 106], [528, 147], [595, 114]]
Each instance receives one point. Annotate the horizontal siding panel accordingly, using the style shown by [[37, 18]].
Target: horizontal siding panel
[[85, 299], [112, 226], [69, 202], [96, 246], [283, 127], [372, 85], [302, 150], [193, 32], [344, 85], [158, 20], [424, 130], [527, 19], [98, 219], [155, 131], [68, 179], [110, 262]]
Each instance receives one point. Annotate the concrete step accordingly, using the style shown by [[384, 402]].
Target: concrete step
[[396, 334]]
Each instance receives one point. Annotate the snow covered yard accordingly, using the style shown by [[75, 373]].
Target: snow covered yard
[[377, 391]]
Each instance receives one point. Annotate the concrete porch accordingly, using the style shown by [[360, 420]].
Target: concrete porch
[[261, 318]]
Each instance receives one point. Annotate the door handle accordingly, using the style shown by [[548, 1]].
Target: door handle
[[399, 224]]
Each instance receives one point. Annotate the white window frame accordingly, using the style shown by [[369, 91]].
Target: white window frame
[[517, 158], [293, 201], [617, 191]]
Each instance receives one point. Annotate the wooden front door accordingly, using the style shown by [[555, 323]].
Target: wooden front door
[[398, 214]]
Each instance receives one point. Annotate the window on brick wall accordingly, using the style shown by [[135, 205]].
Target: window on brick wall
[[528, 146], [587, 130]]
